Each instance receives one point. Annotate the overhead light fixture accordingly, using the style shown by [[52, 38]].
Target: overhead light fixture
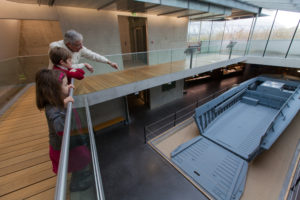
[[298, 70]]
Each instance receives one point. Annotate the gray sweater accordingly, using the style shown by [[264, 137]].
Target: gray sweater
[[56, 121]]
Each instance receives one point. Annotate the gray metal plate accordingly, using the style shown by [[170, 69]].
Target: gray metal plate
[[218, 171]]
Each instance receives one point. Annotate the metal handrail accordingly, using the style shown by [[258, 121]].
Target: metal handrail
[[61, 181], [175, 118], [96, 168]]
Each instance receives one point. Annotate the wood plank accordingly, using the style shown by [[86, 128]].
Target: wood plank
[[8, 130], [26, 145], [31, 190], [25, 164], [23, 178], [23, 151], [20, 141], [23, 161], [19, 135], [45, 195]]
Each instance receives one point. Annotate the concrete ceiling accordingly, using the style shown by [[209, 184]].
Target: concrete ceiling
[[287, 5], [194, 9], [179, 8]]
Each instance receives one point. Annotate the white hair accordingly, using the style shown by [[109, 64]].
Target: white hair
[[72, 36]]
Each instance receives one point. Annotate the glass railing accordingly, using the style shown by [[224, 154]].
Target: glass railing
[[133, 67], [16, 73], [277, 48], [294, 51], [79, 175]]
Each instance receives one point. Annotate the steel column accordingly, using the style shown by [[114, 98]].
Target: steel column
[[212, 22], [270, 33], [292, 39], [126, 110], [250, 34], [222, 37]]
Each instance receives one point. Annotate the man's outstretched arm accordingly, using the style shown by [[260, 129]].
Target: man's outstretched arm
[[97, 57]]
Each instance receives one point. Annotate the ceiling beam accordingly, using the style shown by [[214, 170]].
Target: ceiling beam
[[188, 15], [106, 5], [153, 6], [172, 12], [209, 17], [234, 4]]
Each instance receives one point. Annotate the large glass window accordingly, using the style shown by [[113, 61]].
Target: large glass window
[[282, 33], [193, 32], [204, 35], [261, 32], [216, 36], [295, 47], [238, 31]]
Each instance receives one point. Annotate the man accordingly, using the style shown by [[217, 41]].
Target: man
[[73, 43]]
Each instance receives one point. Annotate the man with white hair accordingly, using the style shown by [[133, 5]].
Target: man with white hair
[[73, 43]]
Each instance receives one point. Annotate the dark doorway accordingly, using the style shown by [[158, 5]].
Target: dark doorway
[[139, 101]]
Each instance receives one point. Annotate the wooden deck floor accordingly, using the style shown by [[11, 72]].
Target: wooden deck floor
[[25, 167], [99, 82]]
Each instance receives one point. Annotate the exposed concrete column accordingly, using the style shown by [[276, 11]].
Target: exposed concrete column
[[159, 97], [127, 116]]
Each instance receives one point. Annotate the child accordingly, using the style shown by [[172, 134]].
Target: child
[[52, 92], [62, 60]]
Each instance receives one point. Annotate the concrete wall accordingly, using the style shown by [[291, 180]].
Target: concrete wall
[[159, 97], [124, 34], [166, 33], [9, 38], [100, 32], [12, 10], [108, 110], [36, 35]]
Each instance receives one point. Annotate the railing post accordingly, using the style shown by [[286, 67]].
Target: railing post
[[96, 168]]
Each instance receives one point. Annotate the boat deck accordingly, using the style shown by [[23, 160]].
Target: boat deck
[[241, 128]]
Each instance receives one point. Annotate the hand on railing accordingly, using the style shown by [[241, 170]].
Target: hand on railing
[[67, 100]]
